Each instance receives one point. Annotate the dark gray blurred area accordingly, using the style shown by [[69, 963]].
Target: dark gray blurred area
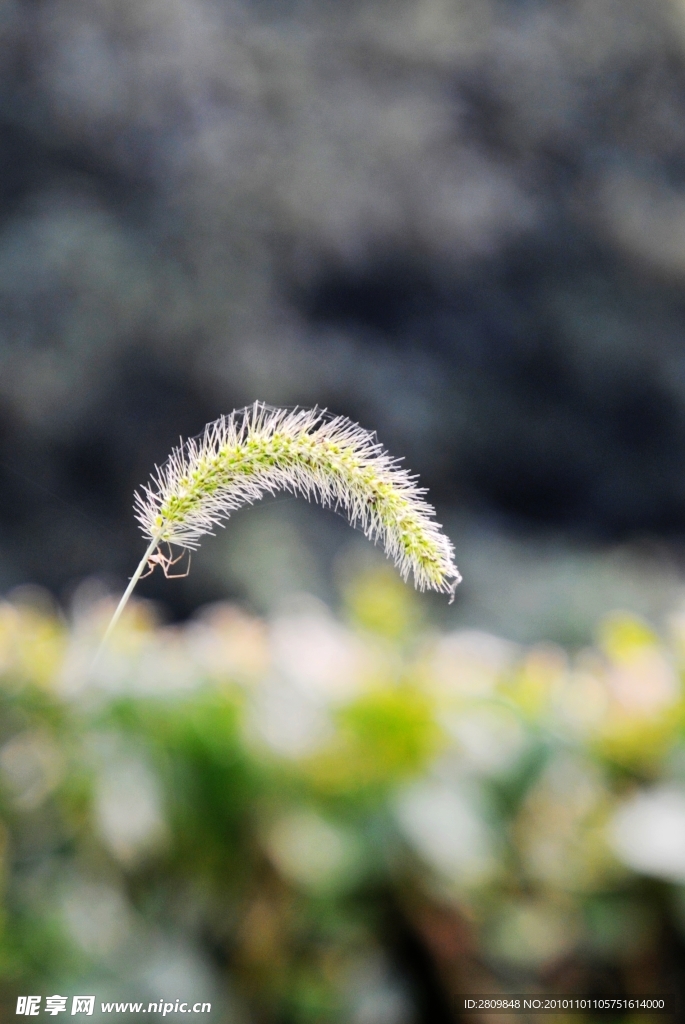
[[460, 222]]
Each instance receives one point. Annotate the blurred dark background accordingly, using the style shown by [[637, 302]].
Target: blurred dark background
[[460, 223]]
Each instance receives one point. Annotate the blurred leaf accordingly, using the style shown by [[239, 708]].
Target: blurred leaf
[[377, 600], [382, 738]]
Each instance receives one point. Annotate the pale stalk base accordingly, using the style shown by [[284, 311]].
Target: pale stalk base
[[124, 599]]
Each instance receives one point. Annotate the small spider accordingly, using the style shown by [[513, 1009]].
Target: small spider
[[166, 563]]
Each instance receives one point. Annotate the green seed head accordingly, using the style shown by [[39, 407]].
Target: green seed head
[[259, 450]]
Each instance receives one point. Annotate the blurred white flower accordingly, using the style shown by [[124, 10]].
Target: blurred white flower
[[317, 654], [468, 663], [446, 827], [164, 665], [288, 721], [97, 917], [172, 970], [375, 994], [316, 663], [227, 642], [31, 767], [532, 935], [645, 682], [311, 851], [648, 833], [582, 701], [490, 739], [129, 810]]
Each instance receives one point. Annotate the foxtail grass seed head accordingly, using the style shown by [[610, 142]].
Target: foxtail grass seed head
[[240, 457], [259, 450]]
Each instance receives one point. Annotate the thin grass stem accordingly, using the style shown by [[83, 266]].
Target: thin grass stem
[[125, 596]]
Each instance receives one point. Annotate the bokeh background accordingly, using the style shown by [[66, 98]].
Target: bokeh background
[[294, 787]]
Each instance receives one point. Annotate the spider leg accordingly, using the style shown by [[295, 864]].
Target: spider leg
[[168, 560], [173, 561], [177, 575]]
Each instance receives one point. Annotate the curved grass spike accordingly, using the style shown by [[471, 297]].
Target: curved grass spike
[[259, 450]]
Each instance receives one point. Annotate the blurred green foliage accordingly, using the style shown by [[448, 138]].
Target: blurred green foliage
[[321, 819]]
